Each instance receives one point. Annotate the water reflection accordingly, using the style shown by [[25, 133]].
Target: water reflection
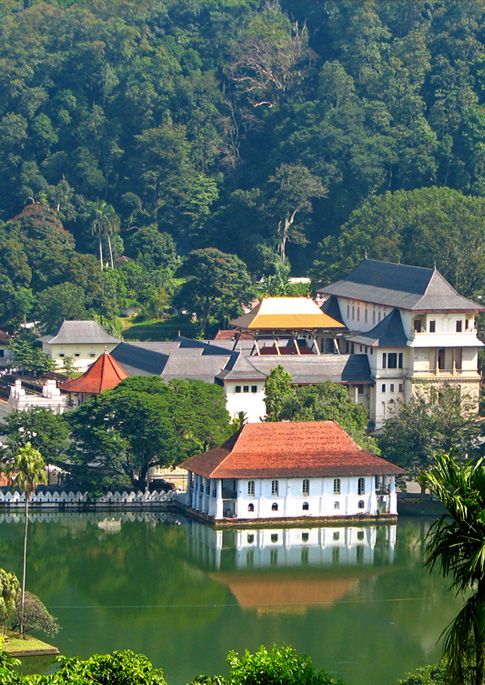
[[260, 548]]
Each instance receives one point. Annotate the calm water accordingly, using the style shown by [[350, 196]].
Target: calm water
[[356, 599]]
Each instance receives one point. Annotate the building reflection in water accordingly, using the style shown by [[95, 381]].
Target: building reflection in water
[[262, 548], [292, 569]]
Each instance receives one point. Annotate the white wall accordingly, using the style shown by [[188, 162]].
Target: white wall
[[83, 355], [251, 403]]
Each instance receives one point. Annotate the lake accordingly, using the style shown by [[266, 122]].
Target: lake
[[355, 598]]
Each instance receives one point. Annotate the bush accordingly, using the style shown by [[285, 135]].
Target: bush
[[36, 616]]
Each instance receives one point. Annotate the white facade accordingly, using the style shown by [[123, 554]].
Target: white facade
[[246, 396], [274, 498], [82, 354], [51, 398]]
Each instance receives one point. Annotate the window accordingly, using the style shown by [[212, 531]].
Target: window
[[417, 325], [336, 505], [306, 506], [274, 489], [353, 312], [374, 317], [274, 537], [432, 326], [250, 507], [383, 388], [459, 325], [401, 387], [371, 350], [254, 388], [441, 358], [348, 311], [92, 355], [274, 507], [304, 537], [238, 388], [250, 538], [360, 389], [250, 488], [400, 360], [61, 355], [2, 353], [392, 360], [77, 355], [391, 389], [358, 313], [336, 536], [306, 486], [361, 504], [360, 349], [384, 361], [366, 315], [361, 486], [360, 535], [336, 486], [246, 388]]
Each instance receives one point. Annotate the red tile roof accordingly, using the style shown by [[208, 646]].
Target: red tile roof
[[105, 373], [289, 450], [230, 334]]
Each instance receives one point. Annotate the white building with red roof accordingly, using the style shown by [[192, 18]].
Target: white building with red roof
[[290, 470]]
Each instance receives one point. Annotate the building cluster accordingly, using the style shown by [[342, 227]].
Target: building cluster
[[385, 332]]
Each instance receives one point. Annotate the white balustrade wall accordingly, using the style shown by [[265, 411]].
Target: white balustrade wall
[[65, 500]]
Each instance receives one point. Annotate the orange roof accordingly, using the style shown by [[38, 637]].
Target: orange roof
[[105, 373], [286, 313], [289, 450]]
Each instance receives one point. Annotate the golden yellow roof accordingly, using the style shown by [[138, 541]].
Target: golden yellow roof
[[286, 313]]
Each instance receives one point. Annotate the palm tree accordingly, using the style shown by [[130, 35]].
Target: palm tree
[[28, 471], [456, 544], [105, 222]]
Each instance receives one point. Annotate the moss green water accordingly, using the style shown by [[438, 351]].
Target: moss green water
[[356, 599]]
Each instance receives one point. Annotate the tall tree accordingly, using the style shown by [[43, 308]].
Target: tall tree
[[27, 470], [105, 223], [456, 545]]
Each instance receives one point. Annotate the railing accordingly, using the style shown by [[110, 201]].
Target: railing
[[229, 494], [75, 499]]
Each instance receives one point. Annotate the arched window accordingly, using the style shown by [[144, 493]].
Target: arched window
[[274, 507], [361, 486], [305, 506], [336, 505], [361, 504], [250, 507]]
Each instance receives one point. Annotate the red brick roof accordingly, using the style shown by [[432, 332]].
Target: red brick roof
[[291, 450], [105, 373]]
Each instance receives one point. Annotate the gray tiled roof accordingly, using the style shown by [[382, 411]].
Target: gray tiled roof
[[307, 369], [332, 308], [388, 333], [72, 332], [400, 285]]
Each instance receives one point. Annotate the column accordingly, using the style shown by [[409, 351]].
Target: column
[[219, 503]]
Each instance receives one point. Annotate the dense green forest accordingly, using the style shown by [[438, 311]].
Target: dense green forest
[[302, 132]]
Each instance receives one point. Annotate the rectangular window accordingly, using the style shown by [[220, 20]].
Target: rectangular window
[[383, 388], [361, 486], [384, 360], [238, 388], [61, 355], [400, 360], [417, 325], [360, 389], [76, 355], [392, 360], [274, 488], [432, 326], [306, 486], [254, 388], [374, 317], [336, 486], [401, 387], [366, 315], [92, 355], [372, 350], [459, 326], [250, 488], [391, 389], [358, 313], [353, 312], [348, 311], [361, 348], [246, 388]]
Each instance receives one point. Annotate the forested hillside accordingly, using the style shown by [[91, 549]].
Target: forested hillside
[[311, 130]]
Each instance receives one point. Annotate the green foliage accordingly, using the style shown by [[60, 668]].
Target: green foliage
[[428, 424], [27, 469], [144, 422], [35, 616], [456, 545], [277, 666], [277, 388], [42, 428], [27, 355], [217, 285], [427, 675], [8, 674], [9, 595], [58, 303]]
